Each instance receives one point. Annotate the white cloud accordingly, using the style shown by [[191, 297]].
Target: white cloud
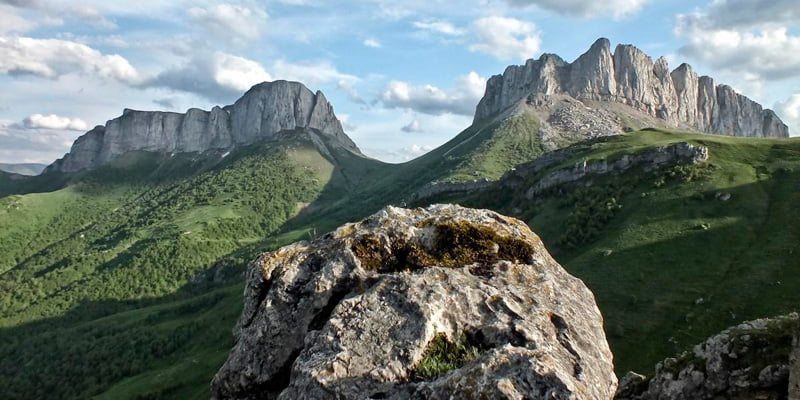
[[11, 22], [771, 53], [789, 111], [19, 143], [312, 73], [238, 73], [238, 24], [51, 58], [428, 99], [217, 76], [506, 38], [372, 43], [222, 77], [586, 8], [412, 127], [442, 27], [347, 124], [53, 121], [738, 14]]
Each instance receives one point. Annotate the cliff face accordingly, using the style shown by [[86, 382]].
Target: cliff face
[[265, 110], [629, 76]]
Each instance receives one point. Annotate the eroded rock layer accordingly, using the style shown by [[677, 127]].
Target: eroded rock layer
[[366, 312]]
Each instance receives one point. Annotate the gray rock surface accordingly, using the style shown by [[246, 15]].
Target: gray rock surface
[[754, 360], [261, 113], [350, 315], [629, 77], [529, 177]]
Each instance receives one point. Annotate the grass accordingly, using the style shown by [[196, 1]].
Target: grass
[[443, 355]]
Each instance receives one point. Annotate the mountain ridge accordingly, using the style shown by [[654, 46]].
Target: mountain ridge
[[630, 77], [262, 112]]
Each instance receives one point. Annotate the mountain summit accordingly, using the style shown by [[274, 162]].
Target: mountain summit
[[624, 88], [261, 113]]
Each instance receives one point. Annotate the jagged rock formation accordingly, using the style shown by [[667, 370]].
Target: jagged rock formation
[[353, 314], [754, 360], [606, 92], [657, 158], [263, 112]]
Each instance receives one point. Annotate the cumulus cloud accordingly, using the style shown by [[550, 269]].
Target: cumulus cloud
[[216, 76], [770, 52], [222, 77], [372, 43], [586, 8], [52, 58], [11, 22], [53, 121], [235, 23], [19, 143], [738, 14], [412, 127], [789, 111], [505, 38], [428, 99], [442, 27]]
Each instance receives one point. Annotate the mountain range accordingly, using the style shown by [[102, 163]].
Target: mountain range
[[120, 265]]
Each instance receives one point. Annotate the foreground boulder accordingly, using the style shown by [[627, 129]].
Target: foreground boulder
[[443, 302], [754, 360]]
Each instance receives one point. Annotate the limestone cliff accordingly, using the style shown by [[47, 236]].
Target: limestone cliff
[[264, 111], [437, 303], [631, 78]]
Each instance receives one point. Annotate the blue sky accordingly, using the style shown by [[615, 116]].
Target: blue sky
[[403, 75]]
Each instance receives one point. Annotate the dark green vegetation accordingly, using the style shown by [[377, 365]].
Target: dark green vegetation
[[125, 282], [443, 355], [455, 244]]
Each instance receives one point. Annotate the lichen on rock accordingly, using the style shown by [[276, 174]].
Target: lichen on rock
[[468, 295]]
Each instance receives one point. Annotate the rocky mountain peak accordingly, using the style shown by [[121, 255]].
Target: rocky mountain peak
[[265, 110], [629, 77]]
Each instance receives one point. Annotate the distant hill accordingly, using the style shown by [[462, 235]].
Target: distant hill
[[23, 169]]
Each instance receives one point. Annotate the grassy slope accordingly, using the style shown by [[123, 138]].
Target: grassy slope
[[138, 236], [667, 282]]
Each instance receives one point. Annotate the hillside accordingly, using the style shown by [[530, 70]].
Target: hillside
[[141, 243], [672, 255], [23, 169]]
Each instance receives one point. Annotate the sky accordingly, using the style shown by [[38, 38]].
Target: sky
[[404, 76]]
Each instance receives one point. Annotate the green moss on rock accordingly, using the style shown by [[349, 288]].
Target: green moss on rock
[[442, 355], [455, 244]]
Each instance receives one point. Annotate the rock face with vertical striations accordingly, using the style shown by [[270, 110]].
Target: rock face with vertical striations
[[265, 110], [362, 312], [651, 94]]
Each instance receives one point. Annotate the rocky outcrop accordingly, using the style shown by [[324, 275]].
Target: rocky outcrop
[[657, 158], [754, 360], [391, 306], [438, 188], [629, 77], [262, 113]]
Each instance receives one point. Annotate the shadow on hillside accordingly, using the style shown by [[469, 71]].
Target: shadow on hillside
[[99, 343]]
